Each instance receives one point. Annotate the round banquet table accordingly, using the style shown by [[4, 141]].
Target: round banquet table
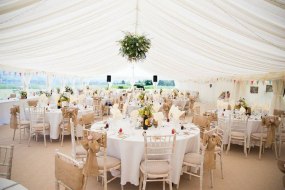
[[54, 117], [10, 185], [5, 106], [129, 148]]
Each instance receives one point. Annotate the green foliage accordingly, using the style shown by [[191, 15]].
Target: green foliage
[[63, 98], [23, 94], [146, 111], [68, 89], [141, 96], [148, 82], [241, 103], [48, 94], [134, 47]]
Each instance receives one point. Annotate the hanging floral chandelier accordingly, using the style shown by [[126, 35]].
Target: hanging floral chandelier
[[134, 47]]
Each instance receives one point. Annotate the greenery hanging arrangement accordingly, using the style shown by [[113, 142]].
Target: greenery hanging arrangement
[[134, 47]]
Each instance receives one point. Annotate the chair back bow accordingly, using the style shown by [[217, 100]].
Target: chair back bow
[[87, 119], [92, 143], [32, 103], [202, 121], [210, 141], [192, 101], [13, 120], [271, 122], [70, 113]]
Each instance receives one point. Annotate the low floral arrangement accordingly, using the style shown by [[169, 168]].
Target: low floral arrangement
[[63, 98], [134, 47], [141, 96], [146, 114], [40, 92], [146, 111], [68, 89], [241, 103], [175, 92], [95, 93], [48, 94], [23, 94]]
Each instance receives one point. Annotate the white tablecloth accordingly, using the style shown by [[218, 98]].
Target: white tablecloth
[[5, 106], [54, 117], [130, 150]]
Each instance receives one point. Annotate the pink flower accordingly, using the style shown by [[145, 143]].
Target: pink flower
[[89, 137]]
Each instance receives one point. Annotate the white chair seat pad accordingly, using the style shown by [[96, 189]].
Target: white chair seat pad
[[193, 158], [237, 134], [157, 167], [40, 126], [258, 135], [25, 122], [111, 162]]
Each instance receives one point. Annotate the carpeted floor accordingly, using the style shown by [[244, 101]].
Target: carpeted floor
[[33, 167]]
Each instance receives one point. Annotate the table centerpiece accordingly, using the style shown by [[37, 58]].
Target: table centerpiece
[[146, 115], [23, 94], [241, 103]]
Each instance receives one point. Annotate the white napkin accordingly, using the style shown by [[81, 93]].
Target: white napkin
[[72, 98], [43, 100], [176, 114], [242, 110], [81, 99], [116, 113], [54, 98], [172, 110], [156, 107]]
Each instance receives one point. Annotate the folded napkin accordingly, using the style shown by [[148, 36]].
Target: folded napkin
[[116, 113], [177, 114], [81, 99], [172, 110], [242, 110], [54, 98], [156, 107], [43, 100]]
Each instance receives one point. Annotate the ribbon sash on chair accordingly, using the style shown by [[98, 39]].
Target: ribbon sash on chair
[[32, 103], [92, 144], [209, 158], [70, 113], [272, 123], [13, 120]]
